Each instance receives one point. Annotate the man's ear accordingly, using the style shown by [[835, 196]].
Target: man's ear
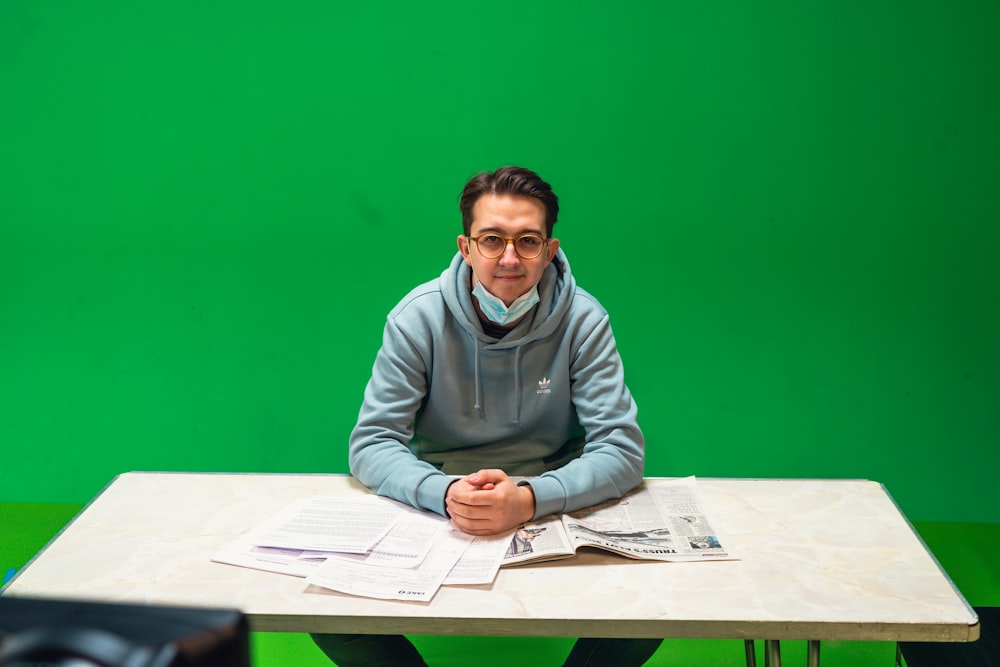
[[463, 247], [551, 251]]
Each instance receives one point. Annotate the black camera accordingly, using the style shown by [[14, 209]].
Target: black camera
[[39, 632]]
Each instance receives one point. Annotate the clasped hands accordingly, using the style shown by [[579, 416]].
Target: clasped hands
[[489, 502]]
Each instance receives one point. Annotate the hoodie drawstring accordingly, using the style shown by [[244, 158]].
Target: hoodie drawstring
[[517, 385], [479, 404]]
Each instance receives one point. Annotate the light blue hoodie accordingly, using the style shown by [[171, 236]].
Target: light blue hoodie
[[548, 401]]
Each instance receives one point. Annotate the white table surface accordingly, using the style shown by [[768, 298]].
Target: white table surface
[[820, 560]]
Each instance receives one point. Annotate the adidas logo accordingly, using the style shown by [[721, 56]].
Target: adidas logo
[[543, 386]]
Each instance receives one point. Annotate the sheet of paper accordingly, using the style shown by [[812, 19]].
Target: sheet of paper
[[321, 523], [294, 562], [480, 562], [350, 574], [408, 541]]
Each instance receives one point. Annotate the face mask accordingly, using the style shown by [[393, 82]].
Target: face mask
[[495, 310]]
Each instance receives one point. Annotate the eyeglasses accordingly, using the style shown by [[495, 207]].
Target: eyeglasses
[[527, 246]]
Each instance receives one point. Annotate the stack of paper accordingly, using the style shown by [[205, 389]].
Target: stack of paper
[[368, 546]]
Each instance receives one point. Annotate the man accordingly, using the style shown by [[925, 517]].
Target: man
[[500, 368]]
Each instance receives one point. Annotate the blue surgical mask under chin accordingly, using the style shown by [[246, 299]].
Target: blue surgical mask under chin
[[495, 310]]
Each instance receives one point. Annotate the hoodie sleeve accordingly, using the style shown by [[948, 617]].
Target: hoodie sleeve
[[614, 451], [379, 453]]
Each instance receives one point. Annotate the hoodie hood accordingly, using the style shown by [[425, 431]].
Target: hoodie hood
[[555, 295]]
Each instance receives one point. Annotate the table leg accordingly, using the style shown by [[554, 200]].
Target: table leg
[[772, 652], [751, 653], [813, 658]]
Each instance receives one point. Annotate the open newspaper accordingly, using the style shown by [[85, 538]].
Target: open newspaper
[[666, 521]]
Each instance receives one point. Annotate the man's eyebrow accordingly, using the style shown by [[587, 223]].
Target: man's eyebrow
[[521, 232]]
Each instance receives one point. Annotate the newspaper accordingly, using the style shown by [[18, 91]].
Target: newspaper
[[667, 522]]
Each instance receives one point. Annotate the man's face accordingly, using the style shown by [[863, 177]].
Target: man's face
[[509, 275]]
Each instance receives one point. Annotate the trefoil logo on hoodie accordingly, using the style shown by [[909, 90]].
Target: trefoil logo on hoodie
[[543, 386]]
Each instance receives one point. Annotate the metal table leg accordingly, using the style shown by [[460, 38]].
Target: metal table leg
[[813, 657], [772, 652]]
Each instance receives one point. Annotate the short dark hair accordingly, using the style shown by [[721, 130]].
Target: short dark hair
[[516, 181]]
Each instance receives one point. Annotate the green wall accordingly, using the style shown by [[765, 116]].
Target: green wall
[[790, 208]]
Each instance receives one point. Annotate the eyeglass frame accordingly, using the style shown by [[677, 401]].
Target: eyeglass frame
[[511, 241]]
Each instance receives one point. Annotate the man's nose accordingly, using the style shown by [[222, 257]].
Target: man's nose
[[509, 255]]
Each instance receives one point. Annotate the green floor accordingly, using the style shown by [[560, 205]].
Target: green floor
[[967, 551]]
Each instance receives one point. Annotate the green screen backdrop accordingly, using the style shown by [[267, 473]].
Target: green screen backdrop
[[791, 210]]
